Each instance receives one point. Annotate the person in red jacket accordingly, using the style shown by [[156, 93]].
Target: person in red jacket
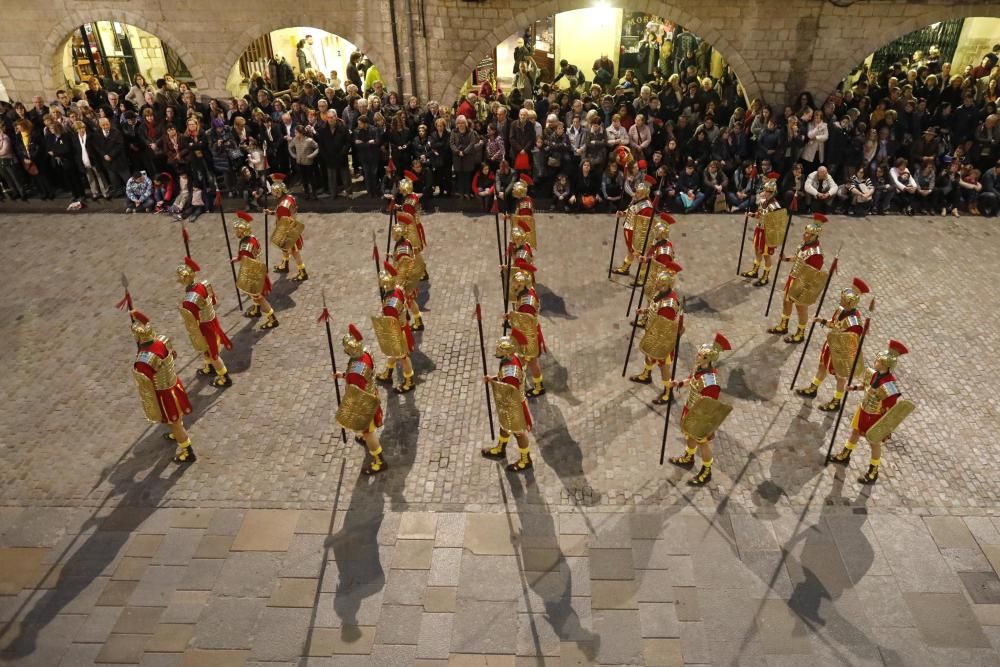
[[809, 253], [202, 323], [704, 381], [845, 319], [881, 393], [360, 373], [162, 393]]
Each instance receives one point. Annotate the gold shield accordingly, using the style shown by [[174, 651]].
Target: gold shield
[[357, 409], [704, 417], [391, 339], [660, 337], [652, 272], [410, 270], [641, 232], [528, 325], [286, 232], [198, 341], [251, 277], [807, 285], [843, 346], [890, 421], [529, 222], [147, 395], [774, 223], [410, 231], [507, 399]]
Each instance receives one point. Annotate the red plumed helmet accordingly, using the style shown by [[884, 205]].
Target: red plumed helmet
[[191, 264], [722, 342], [819, 217], [278, 177], [861, 286], [243, 215], [527, 180], [897, 348], [140, 317], [667, 218], [389, 268], [774, 175], [524, 265], [409, 174], [355, 334], [650, 180], [672, 267]]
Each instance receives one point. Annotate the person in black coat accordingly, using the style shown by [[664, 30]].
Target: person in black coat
[[30, 149], [59, 146], [111, 144], [83, 141], [334, 143]]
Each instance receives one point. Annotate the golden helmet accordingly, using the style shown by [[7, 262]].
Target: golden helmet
[[664, 281], [405, 186], [353, 342], [519, 190], [142, 330], [386, 280], [521, 280], [397, 231], [771, 182], [641, 192], [518, 236], [815, 228], [850, 296], [505, 348], [187, 271], [891, 355], [278, 187], [709, 352], [242, 224]]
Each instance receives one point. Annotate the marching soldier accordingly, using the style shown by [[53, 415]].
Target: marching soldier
[[524, 318], [880, 412], [411, 209], [659, 254], [846, 326], [409, 266], [287, 233], [162, 393], [658, 341], [360, 409], [202, 324], [809, 254], [768, 231], [395, 337], [512, 408], [704, 412], [253, 278], [524, 208], [518, 247], [638, 217]]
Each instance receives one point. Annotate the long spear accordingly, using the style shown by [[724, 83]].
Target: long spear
[[506, 282], [392, 222], [126, 302], [746, 216], [781, 255], [187, 240], [673, 374], [324, 317], [378, 267], [267, 235], [850, 378], [229, 247], [478, 314], [819, 309], [614, 244], [638, 272], [496, 222]]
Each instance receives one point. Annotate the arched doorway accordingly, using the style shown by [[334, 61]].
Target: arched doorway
[[117, 53], [288, 54]]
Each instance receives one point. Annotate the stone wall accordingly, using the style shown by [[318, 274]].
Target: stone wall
[[776, 47]]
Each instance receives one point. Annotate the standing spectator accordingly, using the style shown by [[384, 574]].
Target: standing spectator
[[139, 193], [817, 134], [466, 150], [302, 55], [640, 138], [303, 149], [88, 161], [176, 150], [595, 150], [522, 139], [821, 190], [111, 144], [439, 145], [495, 148], [334, 142], [59, 146], [222, 147], [31, 151], [9, 169]]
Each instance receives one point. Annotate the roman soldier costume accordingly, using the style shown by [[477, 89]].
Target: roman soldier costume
[[524, 209], [659, 254], [410, 212], [846, 326], [704, 412], [769, 230], [525, 308], [658, 341], [512, 408], [393, 331], [162, 393], [409, 267], [881, 410], [288, 229], [800, 288], [638, 218], [360, 410], [202, 323], [253, 278]]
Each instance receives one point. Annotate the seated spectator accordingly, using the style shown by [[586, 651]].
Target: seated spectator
[[970, 189], [744, 183], [905, 186], [561, 194], [714, 183], [947, 186], [163, 191], [689, 193], [586, 189], [483, 183], [820, 190], [139, 193], [923, 198], [884, 190], [859, 192], [989, 196], [613, 187]]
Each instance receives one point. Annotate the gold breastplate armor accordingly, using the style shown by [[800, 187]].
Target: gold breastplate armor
[[359, 367], [247, 246], [698, 384], [164, 375], [508, 369], [800, 259]]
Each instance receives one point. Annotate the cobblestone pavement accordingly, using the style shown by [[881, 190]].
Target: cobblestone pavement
[[272, 550]]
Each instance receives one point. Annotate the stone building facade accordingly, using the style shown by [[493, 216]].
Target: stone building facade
[[776, 47]]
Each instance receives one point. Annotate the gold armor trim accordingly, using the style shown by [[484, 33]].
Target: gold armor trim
[[806, 285], [640, 227], [843, 346], [357, 409], [660, 337], [287, 232], [251, 277], [198, 341], [529, 234], [410, 270], [774, 224], [528, 325], [410, 231], [507, 399], [890, 421], [704, 417], [147, 395], [206, 309], [390, 336]]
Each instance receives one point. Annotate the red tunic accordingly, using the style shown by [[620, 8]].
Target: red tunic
[[511, 371], [394, 305], [250, 247], [211, 330], [528, 302], [173, 401], [358, 372], [846, 321], [881, 393]]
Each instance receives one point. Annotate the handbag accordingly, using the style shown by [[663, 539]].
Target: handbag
[[31, 168], [720, 202], [554, 160]]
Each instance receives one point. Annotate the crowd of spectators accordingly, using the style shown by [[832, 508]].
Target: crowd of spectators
[[916, 138]]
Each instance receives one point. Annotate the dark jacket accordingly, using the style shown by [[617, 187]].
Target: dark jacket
[[333, 143], [92, 151], [113, 146]]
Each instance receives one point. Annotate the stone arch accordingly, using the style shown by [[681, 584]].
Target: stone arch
[[73, 18], [265, 26], [5, 79], [867, 42], [668, 9]]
